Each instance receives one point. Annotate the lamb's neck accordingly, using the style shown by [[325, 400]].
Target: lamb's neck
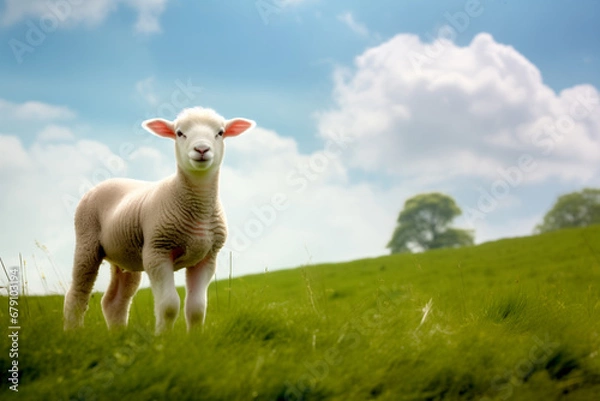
[[200, 193]]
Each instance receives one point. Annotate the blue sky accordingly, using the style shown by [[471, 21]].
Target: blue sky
[[279, 72], [294, 68]]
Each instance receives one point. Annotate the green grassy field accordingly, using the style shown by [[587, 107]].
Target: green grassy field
[[516, 319]]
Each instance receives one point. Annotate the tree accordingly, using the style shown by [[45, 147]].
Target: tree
[[423, 224], [576, 209]]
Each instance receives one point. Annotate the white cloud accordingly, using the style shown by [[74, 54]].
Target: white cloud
[[145, 89], [33, 110], [55, 133], [324, 218], [12, 154], [91, 13], [461, 111], [149, 12], [357, 27]]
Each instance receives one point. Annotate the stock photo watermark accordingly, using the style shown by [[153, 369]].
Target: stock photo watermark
[[115, 364], [115, 165], [456, 23], [503, 386], [545, 140], [297, 181], [353, 334], [267, 8], [57, 13], [14, 327]]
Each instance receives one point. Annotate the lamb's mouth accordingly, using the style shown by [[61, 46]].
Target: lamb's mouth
[[201, 163], [200, 158]]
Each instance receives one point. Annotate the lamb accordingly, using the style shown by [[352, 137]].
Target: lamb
[[157, 227]]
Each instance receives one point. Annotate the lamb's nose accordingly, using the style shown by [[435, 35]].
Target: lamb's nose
[[202, 149]]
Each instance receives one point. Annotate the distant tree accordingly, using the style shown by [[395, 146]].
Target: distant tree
[[423, 224], [577, 209]]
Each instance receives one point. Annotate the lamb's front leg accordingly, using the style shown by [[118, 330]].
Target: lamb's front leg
[[197, 280], [166, 298]]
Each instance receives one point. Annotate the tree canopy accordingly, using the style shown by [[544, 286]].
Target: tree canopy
[[576, 209], [424, 224]]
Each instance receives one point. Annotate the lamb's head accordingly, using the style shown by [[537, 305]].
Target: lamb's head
[[198, 135]]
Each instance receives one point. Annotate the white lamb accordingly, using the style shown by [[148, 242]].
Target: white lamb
[[156, 227]]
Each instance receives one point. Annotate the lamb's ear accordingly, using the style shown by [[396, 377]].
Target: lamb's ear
[[160, 127], [236, 126]]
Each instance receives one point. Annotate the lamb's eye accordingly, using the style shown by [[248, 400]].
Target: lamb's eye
[[180, 134], [221, 132]]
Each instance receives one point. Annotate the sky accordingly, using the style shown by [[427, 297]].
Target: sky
[[359, 106]]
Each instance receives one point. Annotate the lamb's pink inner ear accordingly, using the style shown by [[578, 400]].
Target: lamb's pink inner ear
[[237, 126], [160, 127]]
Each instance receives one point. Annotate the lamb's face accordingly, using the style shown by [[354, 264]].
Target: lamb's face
[[199, 134], [199, 142]]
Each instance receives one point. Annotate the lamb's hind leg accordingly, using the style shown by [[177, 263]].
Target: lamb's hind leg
[[118, 296], [88, 256]]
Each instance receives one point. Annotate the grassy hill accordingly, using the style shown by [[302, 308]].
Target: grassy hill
[[516, 319]]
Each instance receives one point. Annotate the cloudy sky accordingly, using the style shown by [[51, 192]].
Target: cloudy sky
[[359, 106]]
